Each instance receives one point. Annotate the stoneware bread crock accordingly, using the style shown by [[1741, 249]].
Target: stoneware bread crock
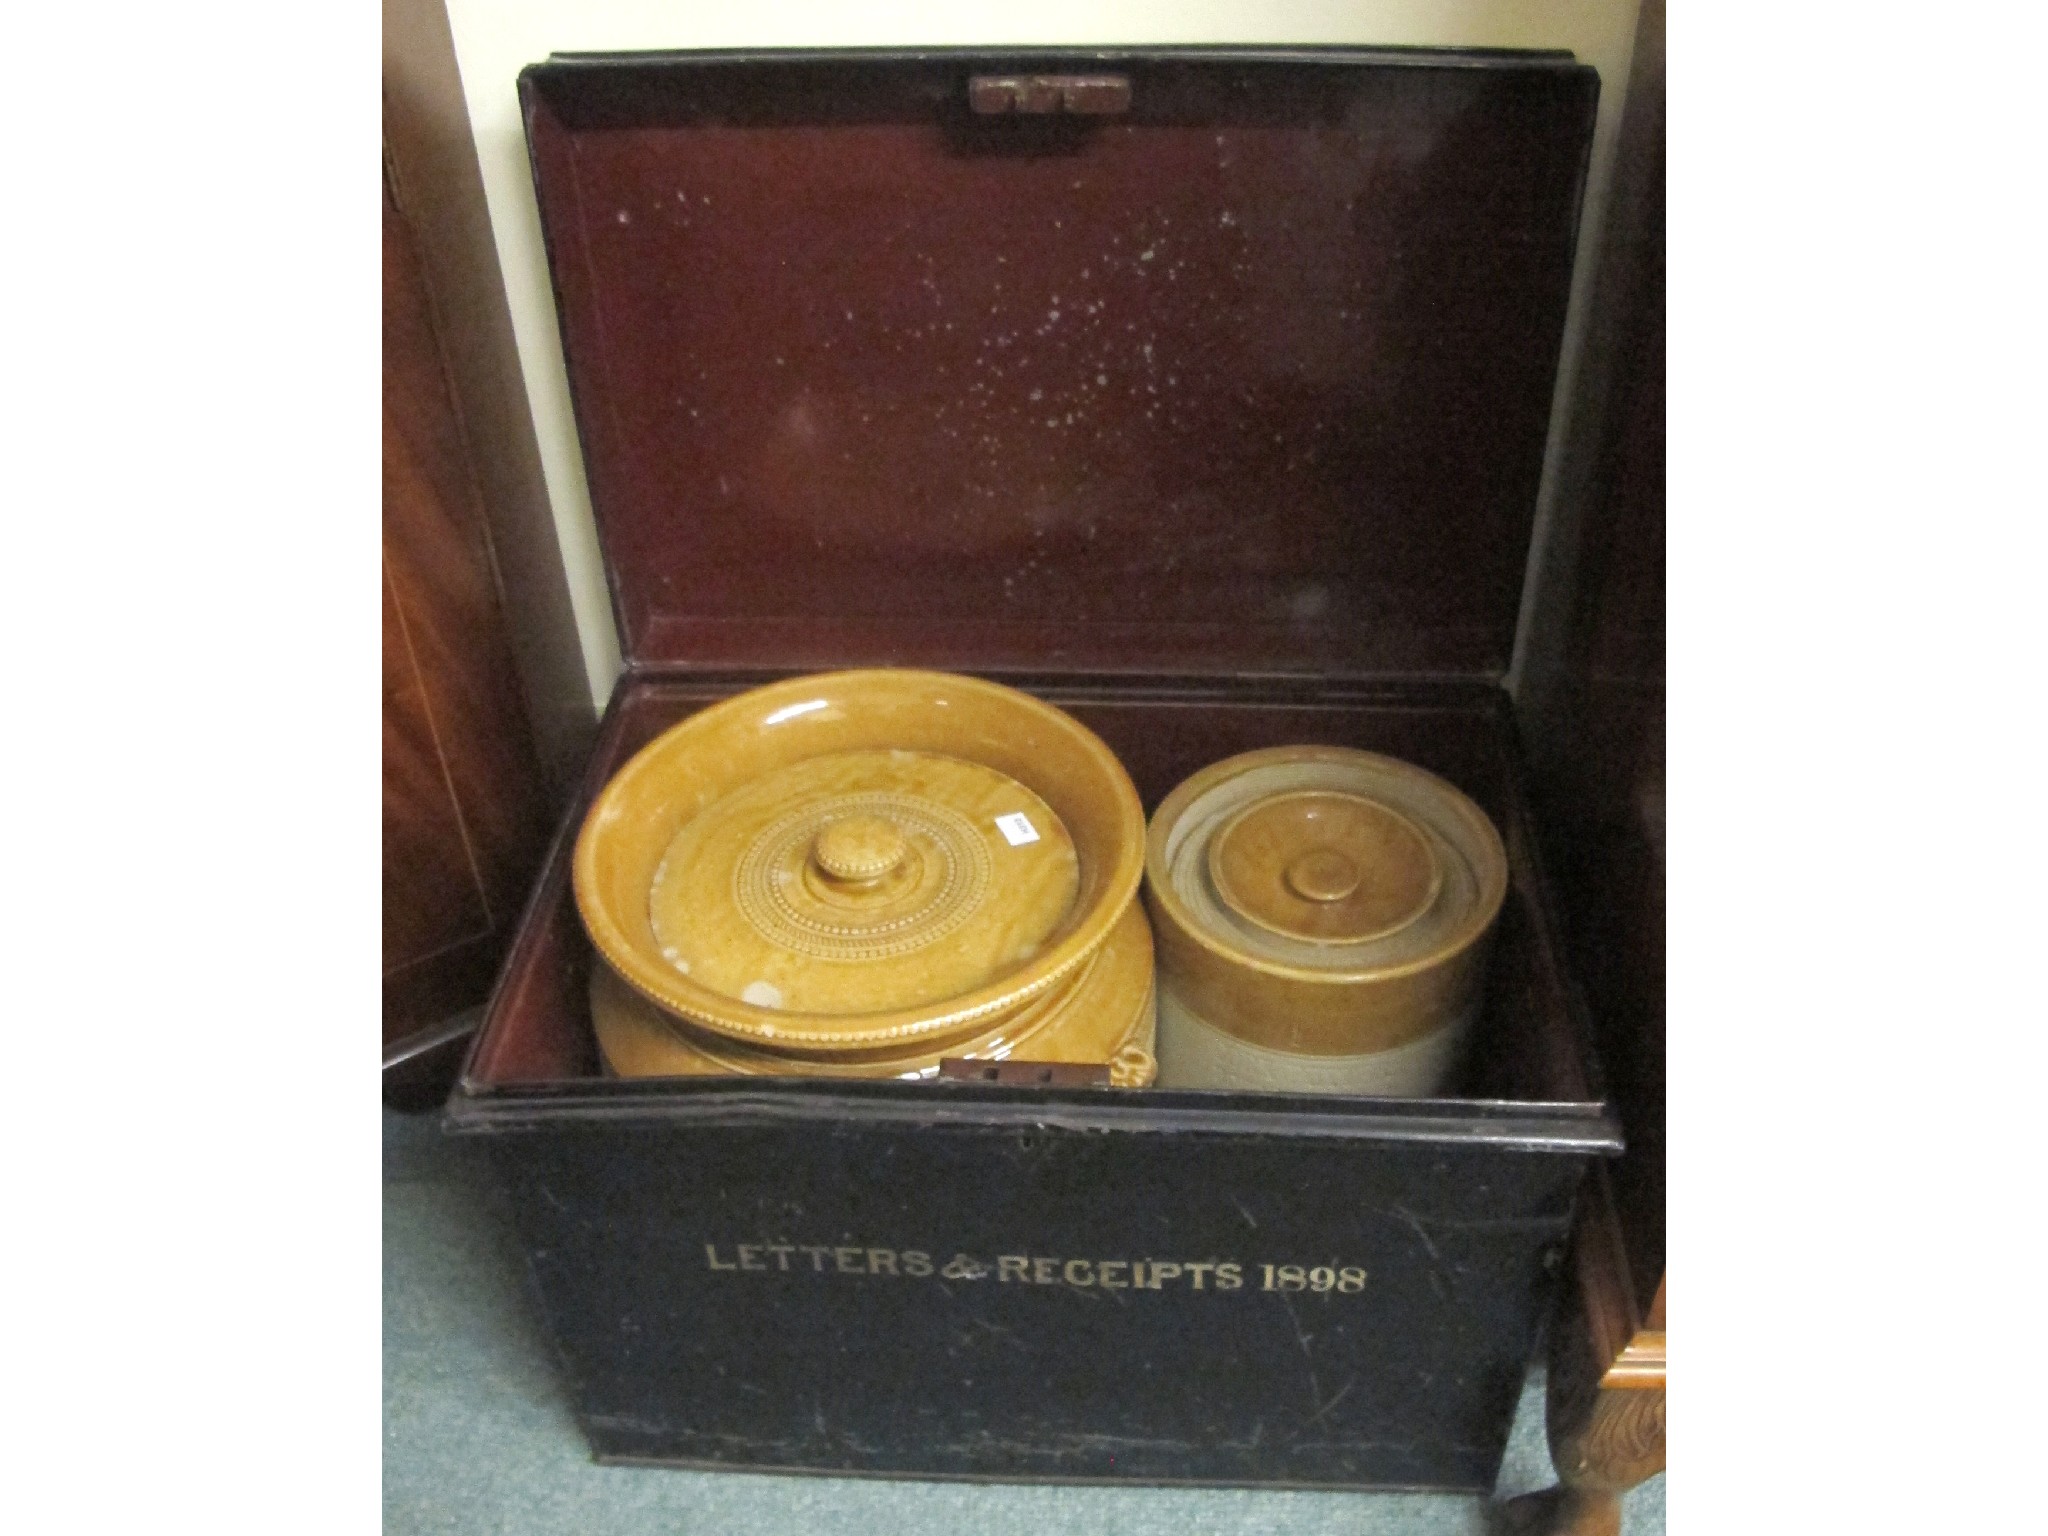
[[868, 868], [1323, 919]]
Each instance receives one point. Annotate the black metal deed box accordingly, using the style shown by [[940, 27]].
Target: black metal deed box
[[1203, 393]]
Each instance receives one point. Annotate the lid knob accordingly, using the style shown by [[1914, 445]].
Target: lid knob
[[858, 849], [1322, 874]]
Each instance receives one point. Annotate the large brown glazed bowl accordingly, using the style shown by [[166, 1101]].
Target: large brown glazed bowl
[[738, 742]]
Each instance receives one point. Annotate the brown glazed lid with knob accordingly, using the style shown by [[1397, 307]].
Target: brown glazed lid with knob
[[1325, 867], [861, 883]]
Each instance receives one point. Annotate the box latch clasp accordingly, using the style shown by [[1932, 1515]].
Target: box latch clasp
[[1034, 1074], [1091, 95]]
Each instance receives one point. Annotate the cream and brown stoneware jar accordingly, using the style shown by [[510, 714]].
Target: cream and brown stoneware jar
[[1323, 918], [862, 873]]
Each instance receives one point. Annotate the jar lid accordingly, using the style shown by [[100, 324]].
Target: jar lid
[[863, 882], [1329, 861]]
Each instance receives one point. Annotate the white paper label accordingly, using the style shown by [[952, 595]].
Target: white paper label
[[1017, 829]]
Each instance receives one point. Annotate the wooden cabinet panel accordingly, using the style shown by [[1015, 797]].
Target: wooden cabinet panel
[[463, 806], [433, 899]]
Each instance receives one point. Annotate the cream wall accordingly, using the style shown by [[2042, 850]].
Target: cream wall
[[495, 39]]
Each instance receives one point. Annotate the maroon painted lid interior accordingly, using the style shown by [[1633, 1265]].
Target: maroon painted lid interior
[[1252, 377]]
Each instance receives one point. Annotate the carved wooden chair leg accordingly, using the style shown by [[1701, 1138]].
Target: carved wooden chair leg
[[1604, 1439], [1560, 1512]]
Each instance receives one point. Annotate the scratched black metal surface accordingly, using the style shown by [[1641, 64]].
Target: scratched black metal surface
[[1304, 418], [822, 1360], [1256, 373]]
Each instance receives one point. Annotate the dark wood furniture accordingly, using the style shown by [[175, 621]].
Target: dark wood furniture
[[1593, 715], [475, 565], [464, 809], [433, 163]]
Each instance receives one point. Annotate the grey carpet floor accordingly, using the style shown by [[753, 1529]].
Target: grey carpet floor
[[479, 1440]]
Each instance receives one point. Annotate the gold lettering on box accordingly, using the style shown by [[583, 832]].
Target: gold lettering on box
[[1206, 1276]]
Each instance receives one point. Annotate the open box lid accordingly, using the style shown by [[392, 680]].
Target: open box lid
[[1167, 363]]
